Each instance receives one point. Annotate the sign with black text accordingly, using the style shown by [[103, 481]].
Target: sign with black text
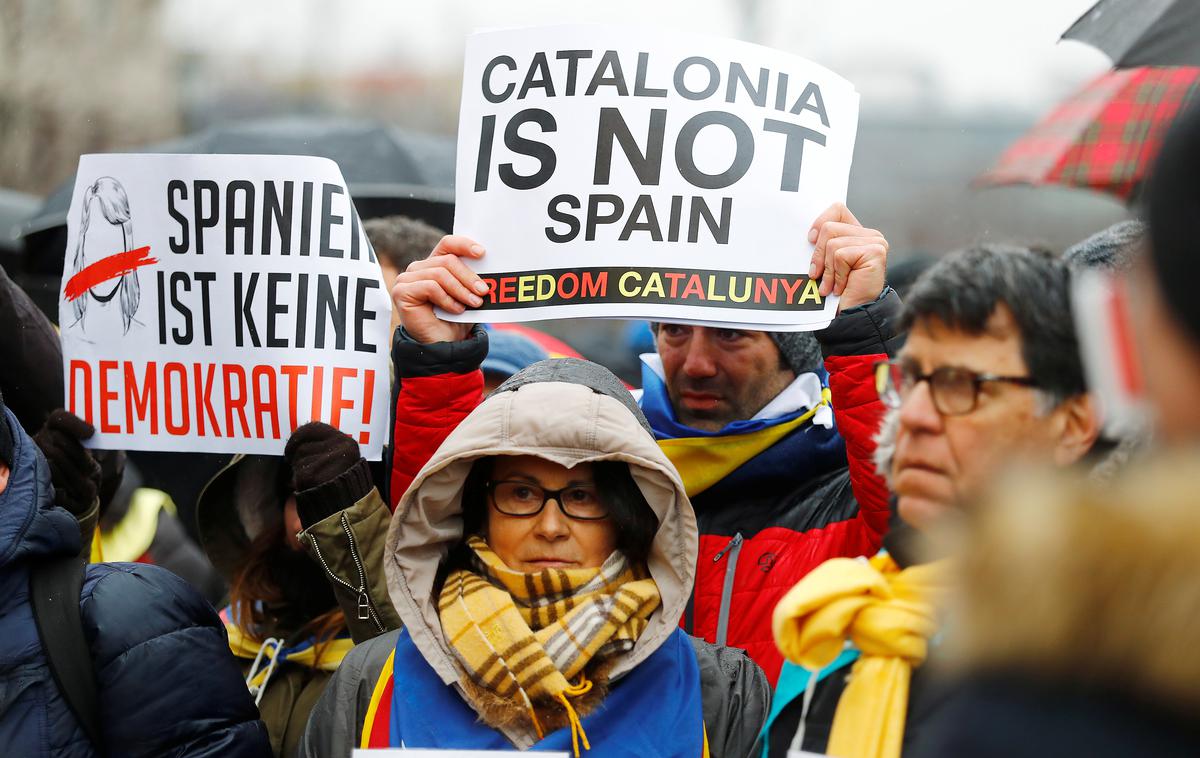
[[213, 303], [636, 173]]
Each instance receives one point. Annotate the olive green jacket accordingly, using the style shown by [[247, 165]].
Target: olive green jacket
[[349, 546], [240, 501]]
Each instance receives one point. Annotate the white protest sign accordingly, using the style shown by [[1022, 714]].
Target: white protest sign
[[213, 303], [402, 752], [1101, 306], [639, 173]]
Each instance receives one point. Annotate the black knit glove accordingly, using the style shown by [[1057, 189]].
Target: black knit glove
[[328, 473], [73, 470]]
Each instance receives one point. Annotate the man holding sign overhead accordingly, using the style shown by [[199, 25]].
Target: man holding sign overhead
[[728, 164]]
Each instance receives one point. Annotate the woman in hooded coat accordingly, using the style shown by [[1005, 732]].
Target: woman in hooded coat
[[297, 605], [540, 563]]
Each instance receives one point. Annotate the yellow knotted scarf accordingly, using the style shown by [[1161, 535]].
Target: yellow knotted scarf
[[524, 636], [888, 614]]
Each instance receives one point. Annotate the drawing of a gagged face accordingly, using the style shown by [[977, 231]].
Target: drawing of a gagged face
[[102, 239], [106, 230]]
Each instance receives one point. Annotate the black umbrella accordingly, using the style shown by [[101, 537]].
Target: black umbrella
[[1142, 32], [388, 170], [15, 207]]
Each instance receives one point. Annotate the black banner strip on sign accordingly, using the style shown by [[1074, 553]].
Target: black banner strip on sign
[[657, 286]]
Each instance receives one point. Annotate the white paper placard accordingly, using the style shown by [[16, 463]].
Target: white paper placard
[[639, 173], [212, 303]]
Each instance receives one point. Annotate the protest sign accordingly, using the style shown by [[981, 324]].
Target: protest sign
[[1101, 305], [401, 752], [638, 173], [213, 303]]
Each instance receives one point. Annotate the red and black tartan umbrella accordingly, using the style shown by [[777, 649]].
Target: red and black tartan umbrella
[[1105, 137]]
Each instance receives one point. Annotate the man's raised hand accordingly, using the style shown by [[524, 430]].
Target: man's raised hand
[[444, 281], [849, 259]]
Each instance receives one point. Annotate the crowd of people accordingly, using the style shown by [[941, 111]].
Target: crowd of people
[[908, 533]]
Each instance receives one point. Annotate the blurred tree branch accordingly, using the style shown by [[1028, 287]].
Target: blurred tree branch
[[80, 76]]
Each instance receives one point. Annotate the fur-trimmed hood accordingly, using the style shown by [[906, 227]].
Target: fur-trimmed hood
[[1088, 583], [567, 411]]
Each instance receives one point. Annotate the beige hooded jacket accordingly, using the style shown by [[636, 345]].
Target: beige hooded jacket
[[569, 412]]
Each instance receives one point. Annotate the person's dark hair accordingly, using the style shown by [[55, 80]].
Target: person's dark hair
[[1172, 213], [964, 289], [280, 592], [903, 272], [627, 507], [400, 240]]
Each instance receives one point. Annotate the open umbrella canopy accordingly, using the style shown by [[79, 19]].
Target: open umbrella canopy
[[1103, 138], [389, 170], [1142, 32], [15, 207]]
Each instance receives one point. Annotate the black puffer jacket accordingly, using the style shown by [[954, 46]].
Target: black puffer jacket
[[166, 681]]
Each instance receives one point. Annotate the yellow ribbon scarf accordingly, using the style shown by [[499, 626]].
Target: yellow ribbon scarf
[[704, 461], [324, 656], [524, 636], [889, 615]]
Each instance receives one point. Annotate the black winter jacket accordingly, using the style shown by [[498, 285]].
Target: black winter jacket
[[166, 681]]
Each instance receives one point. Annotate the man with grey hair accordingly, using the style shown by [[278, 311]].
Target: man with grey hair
[[1113, 249], [990, 375]]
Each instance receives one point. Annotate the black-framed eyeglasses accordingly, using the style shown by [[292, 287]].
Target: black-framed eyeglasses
[[955, 390], [524, 499]]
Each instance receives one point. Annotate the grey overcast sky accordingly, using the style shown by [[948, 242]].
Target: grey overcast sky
[[944, 55]]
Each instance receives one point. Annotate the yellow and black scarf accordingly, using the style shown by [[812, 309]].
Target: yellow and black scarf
[[524, 637]]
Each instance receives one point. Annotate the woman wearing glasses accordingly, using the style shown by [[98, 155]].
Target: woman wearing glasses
[[540, 563]]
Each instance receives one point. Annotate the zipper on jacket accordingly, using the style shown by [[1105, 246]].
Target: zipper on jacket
[[365, 609], [734, 548]]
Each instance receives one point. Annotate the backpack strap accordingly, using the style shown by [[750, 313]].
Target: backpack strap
[[54, 587]]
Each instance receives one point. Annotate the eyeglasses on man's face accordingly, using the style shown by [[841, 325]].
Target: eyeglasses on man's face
[[524, 499], [955, 390]]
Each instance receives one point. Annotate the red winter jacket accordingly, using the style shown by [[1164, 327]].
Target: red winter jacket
[[761, 534], [437, 385], [756, 541]]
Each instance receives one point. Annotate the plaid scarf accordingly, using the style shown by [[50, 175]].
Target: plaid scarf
[[522, 637]]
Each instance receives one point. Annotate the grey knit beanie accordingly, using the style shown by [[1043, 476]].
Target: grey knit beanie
[[1113, 249], [800, 350]]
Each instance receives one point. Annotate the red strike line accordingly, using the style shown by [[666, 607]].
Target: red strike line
[[1128, 373], [112, 267]]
